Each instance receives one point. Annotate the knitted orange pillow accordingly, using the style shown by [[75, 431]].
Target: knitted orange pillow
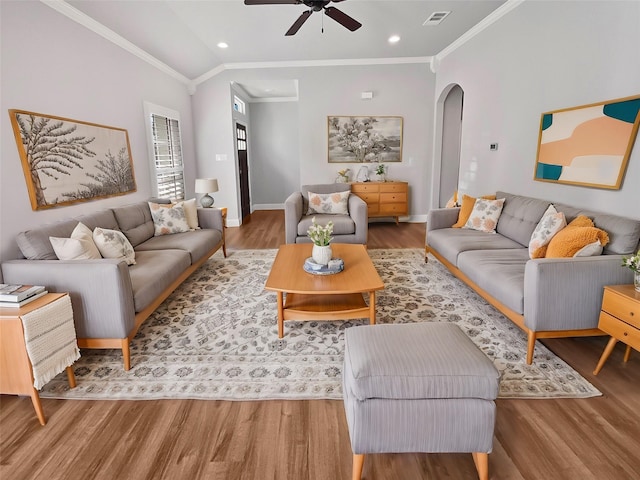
[[466, 208], [575, 236]]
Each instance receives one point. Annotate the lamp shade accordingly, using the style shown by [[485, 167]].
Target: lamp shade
[[206, 185]]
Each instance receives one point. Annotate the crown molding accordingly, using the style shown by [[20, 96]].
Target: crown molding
[[493, 17], [86, 21]]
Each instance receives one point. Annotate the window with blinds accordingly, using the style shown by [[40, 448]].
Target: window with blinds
[[167, 152]]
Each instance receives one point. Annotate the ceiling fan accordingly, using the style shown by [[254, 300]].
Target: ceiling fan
[[314, 6]]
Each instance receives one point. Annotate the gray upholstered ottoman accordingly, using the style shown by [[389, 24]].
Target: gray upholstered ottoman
[[422, 387]]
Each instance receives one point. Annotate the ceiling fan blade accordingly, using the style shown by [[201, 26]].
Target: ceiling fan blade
[[298, 23], [342, 18], [272, 2]]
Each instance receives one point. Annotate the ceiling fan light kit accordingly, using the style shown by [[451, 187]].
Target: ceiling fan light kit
[[314, 6]]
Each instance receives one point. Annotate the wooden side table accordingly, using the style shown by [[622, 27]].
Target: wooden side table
[[16, 371], [224, 227], [620, 318]]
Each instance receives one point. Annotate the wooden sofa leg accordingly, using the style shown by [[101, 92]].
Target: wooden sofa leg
[[531, 345], [426, 253], [482, 464], [126, 354], [358, 462]]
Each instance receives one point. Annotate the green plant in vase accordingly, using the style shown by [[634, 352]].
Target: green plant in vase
[[633, 262], [380, 171]]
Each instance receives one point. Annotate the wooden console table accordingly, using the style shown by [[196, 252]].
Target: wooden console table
[[620, 318], [16, 371], [384, 199]]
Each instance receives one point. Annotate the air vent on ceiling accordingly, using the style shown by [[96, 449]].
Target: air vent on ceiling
[[435, 18]]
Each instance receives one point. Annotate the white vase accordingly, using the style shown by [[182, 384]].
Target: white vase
[[636, 280], [321, 254]]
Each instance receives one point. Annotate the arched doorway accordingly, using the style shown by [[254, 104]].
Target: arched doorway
[[448, 136]]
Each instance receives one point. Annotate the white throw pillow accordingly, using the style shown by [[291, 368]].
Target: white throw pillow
[[113, 244], [551, 223], [168, 218], [191, 211], [79, 247], [329, 203], [590, 250], [485, 215]]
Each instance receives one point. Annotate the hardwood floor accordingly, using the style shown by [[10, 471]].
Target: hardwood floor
[[596, 438]]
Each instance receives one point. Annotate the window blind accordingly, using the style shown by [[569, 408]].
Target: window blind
[[167, 151]]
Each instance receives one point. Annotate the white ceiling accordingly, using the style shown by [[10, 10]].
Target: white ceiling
[[184, 34]]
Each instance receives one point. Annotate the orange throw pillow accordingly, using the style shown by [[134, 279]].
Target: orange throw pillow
[[574, 237], [466, 208]]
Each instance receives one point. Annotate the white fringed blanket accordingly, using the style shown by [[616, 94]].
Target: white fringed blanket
[[50, 338]]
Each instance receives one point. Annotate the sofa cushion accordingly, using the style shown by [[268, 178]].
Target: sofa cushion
[[466, 207], [520, 216], [80, 246], [449, 242], [113, 244], [321, 188], [342, 224], [572, 239], [485, 214], [135, 222], [197, 243], [328, 203], [35, 245], [153, 272], [168, 219], [498, 272], [551, 223]]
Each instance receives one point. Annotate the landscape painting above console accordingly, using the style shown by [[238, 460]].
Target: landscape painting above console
[[588, 145], [364, 139], [68, 161]]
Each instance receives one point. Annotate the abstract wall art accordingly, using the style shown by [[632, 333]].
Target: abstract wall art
[[588, 145], [68, 161]]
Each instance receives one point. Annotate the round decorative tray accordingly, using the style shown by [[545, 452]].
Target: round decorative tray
[[336, 265]]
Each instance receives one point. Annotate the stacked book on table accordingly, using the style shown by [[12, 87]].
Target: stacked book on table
[[16, 296]]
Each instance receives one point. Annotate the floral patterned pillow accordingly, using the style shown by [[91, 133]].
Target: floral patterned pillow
[[113, 244], [329, 203], [168, 218], [485, 215], [551, 223]]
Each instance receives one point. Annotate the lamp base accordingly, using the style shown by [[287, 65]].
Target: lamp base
[[206, 201]]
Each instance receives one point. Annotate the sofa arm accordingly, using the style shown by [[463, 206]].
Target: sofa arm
[[358, 210], [210, 218], [100, 290], [292, 216], [566, 293], [438, 218]]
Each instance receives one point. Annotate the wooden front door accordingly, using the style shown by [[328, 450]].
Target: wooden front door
[[243, 169]]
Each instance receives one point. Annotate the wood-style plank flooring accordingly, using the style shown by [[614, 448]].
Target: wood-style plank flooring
[[597, 438]]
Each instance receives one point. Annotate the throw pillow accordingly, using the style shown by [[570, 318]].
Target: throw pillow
[[191, 211], [168, 218], [113, 244], [80, 246], [466, 207], [590, 250], [574, 237], [329, 203], [453, 201], [485, 215], [551, 223]]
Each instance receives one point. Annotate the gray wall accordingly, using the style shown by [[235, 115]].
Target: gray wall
[[543, 56], [404, 90], [53, 65], [273, 143]]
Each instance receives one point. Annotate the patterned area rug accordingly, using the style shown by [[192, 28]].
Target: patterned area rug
[[216, 337]]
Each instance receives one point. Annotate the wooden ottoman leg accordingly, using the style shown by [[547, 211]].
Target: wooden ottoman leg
[[482, 464], [71, 377], [358, 462]]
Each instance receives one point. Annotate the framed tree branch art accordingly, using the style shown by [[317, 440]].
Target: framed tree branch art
[[69, 161], [364, 139]]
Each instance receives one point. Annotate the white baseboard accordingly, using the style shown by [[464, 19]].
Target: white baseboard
[[268, 206]]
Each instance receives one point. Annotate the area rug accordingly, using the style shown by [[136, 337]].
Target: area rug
[[216, 337]]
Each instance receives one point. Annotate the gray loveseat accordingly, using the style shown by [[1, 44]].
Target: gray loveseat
[[111, 299], [546, 297], [352, 228]]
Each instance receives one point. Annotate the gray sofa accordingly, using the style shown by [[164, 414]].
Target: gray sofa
[[546, 297], [111, 299], [352, 228]]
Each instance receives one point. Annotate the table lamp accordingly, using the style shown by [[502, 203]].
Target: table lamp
[[206, 186]]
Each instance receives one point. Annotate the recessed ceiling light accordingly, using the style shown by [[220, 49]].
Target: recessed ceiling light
[[222, 45], [394, 39]]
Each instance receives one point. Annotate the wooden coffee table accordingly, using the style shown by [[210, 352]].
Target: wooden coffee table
[[324, 297]]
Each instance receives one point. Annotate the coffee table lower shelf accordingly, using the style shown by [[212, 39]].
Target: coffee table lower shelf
[[346, 306]]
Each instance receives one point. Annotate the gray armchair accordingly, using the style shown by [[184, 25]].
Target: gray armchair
[[351, 228]]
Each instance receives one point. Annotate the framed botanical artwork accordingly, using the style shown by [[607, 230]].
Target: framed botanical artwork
[[364, 139], [588, 145], [68, 161]]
